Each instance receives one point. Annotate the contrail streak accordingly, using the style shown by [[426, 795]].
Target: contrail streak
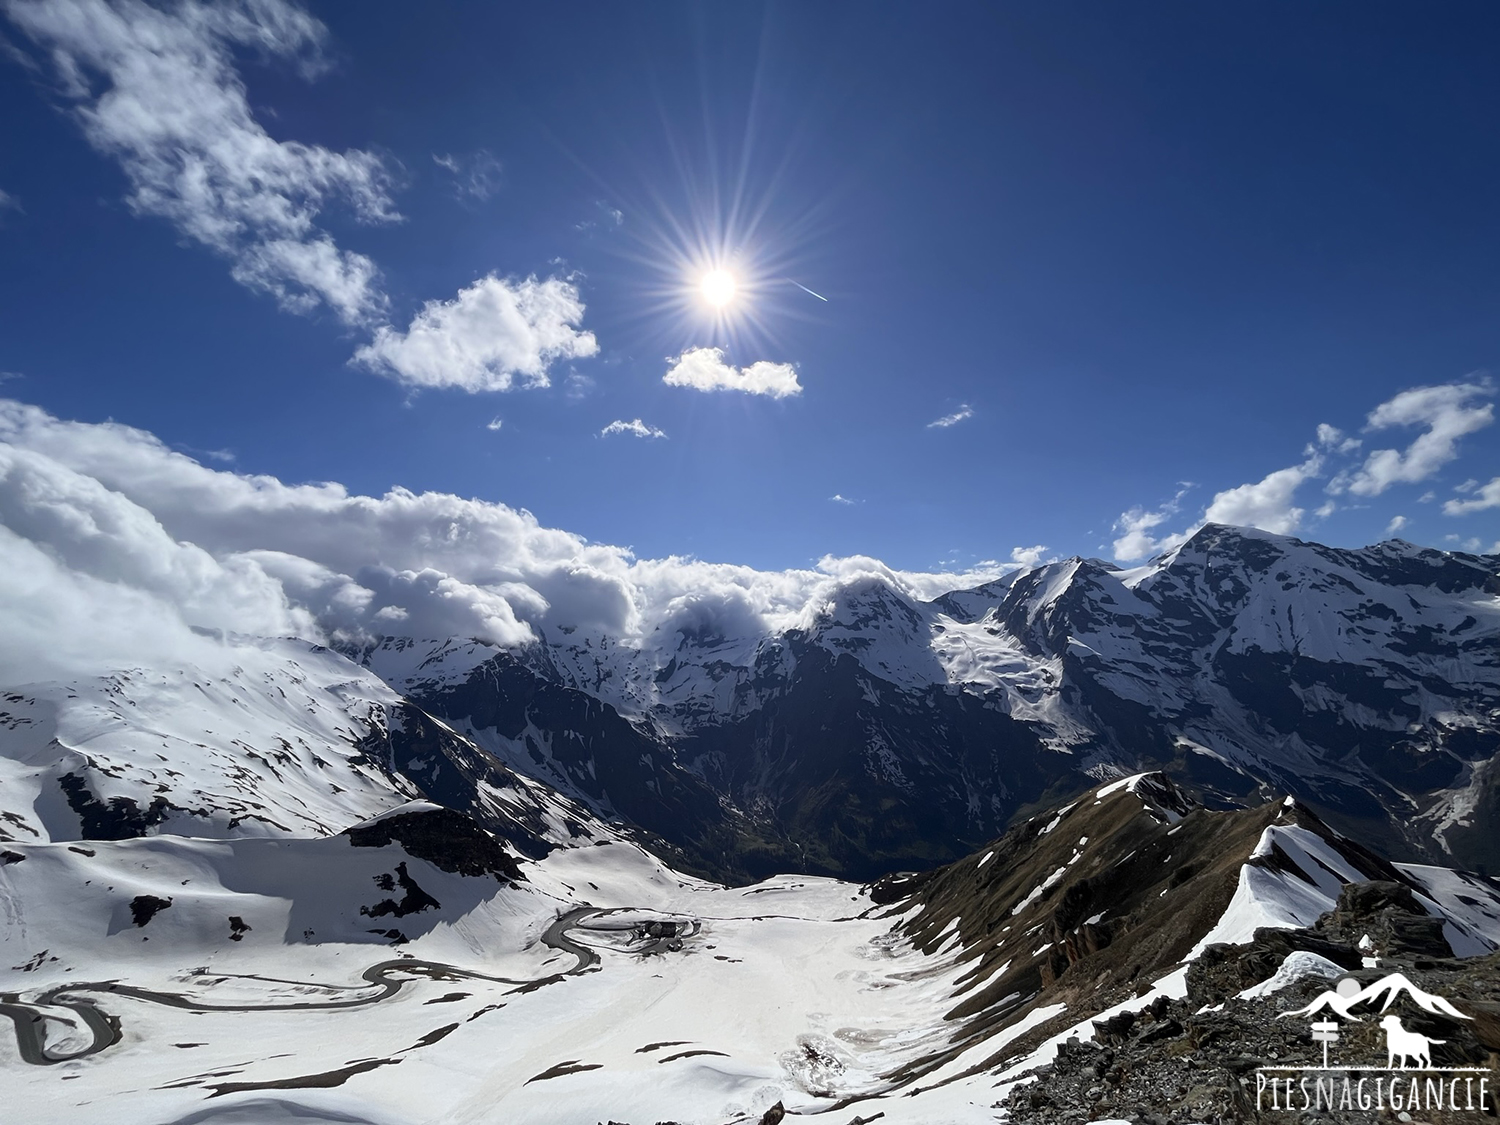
[[805, 289]]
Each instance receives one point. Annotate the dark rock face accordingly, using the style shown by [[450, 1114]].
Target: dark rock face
[[143, 908], [448, 840], [119, 818], [1390, 916], [861, 782], [450, 770], [413, 900]]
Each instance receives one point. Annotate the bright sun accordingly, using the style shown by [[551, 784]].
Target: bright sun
[[718, 287]]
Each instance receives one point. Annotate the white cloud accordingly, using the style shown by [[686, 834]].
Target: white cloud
[[1446, 413], [1427, 497], [840, 498], [157, 90], [1473, 544], [962, 414], [1397, 524], [1136, 525], [9, 202], [1266, 503], [704, 369], [476, 177], [93, 580], [1468, 486], [1487, 496], [635, 427], [492, 335], [1332, 438], [115, 547], [494, 424], [1136, 540], [1029, 557]]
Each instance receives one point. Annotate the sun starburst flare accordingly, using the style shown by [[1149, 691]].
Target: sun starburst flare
[[718, 287]]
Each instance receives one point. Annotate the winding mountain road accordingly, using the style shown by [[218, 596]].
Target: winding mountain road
[[386, 977]]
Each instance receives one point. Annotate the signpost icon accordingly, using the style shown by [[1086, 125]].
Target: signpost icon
[[1325, 1032]]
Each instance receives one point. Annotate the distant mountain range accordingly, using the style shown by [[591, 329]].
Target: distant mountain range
[[891, 733], [881, 734]]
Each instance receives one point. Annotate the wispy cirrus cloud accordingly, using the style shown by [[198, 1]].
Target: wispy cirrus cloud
[[1480, 496], [476, 177], [156, 89], [962, 414], [635, 428], [705, 369]]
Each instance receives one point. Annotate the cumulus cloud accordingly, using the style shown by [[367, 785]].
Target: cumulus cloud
[[1481, 497], [495, 424], [1266, 503], [704, 369], [1446, 413], [1136, 540], [494, 335], [962, 414], [157, 90], [840, 498], [117, 547], [635, 428], [1397, 524], [476, 177], [1029, 557]]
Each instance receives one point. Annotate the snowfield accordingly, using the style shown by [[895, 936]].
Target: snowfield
[[792, 990]]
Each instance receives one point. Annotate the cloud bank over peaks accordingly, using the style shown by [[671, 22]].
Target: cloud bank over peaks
[[496, 334], [705, 369], [119, 547]]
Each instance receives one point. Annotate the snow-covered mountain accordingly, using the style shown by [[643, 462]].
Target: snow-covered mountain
[[881, 731], [284, 739]]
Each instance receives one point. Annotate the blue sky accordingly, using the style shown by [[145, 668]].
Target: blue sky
[[1135, 255]]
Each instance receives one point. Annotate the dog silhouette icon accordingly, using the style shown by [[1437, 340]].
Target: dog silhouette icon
[[1406, 1045]]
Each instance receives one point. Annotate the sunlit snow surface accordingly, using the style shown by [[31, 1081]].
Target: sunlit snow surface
[[791, 991]]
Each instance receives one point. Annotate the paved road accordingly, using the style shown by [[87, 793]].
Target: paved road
[[386, 977]]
